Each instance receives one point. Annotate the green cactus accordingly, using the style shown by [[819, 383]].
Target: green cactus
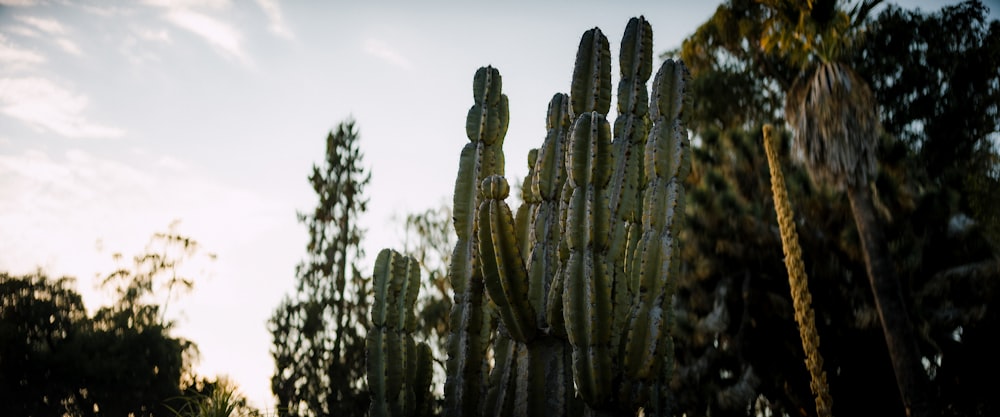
[[398, 369], [503, 267], [574, 292], [486, 126]]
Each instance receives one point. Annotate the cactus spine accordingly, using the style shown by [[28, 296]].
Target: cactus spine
[[580, 279], [797, 278]]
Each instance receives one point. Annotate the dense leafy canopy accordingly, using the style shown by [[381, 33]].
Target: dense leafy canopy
[[55, 359], [935, 81]]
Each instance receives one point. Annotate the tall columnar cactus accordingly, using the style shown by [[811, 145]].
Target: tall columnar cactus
[[580, 280], [486, 126], [399, 370], [797, 278]]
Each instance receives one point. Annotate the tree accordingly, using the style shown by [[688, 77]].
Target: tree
[[57, 360], [730, 301], [318, 332], [833, 113], [40, 321]]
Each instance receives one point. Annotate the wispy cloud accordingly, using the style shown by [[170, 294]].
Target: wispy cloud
[[190, 15], [21, 3], [216, 32], [190, 4], [137, 47], [53, 29], [383, 51], [14, 57], [276, 20], [153, 35], [49, 26], [68, 46], [47, 106]]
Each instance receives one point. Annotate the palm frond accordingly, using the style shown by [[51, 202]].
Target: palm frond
[[833, 115]]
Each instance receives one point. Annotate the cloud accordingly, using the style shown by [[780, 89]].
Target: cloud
[[22, 31], [188, 15], [13, 57], [49, 26], [153, 35], [383, 51], [53, 29], [18, 3], [68, 46], [217, 33], [276, 20], [190, 4], [45, 105]]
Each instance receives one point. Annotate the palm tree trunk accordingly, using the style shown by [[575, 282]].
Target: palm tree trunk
[[911, 379]]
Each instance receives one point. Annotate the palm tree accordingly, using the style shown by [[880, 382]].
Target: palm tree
[[834, 116]]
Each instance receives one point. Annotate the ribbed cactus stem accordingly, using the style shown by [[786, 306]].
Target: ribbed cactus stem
[[422, 380], [391, 352], [656, 256], [797, 278], [525, 216], [550, 177], [587, 294], [630, 130], [501, 393], [504, 273], [486, 126], [591, 86]]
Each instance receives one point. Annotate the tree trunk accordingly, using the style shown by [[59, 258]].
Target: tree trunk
[[911, 379]]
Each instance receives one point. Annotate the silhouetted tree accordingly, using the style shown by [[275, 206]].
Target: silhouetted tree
[[318, 332], [56, 360]]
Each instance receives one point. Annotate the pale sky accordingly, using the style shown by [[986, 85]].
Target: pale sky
[[117, 118]]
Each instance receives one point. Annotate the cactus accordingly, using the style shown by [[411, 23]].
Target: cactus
[[486, 125], [574, 292], [398, 370]]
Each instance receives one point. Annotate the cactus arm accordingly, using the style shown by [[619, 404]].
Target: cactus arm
[[466, 346], [524, 219], [591, 86], [586, 284], [630, 130], [423, 377], [390, 349], [377, 372], [550, 176], [486, 126], [666, 166], [503, 270], [501, 392], [383, 348]]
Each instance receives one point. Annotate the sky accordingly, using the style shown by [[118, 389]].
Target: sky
[[121, 118]]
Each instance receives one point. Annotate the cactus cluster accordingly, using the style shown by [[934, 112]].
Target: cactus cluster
[[564, 308]]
